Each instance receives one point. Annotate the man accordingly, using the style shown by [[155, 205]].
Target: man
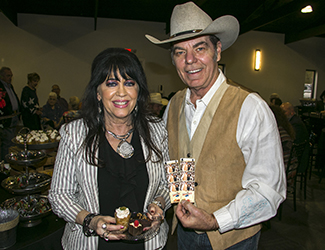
[[9, 111], [60, 100], [296, 122], [230, 132], [157, 103], [275, 99]]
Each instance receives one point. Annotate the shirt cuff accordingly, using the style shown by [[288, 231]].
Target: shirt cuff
[[224, 220]]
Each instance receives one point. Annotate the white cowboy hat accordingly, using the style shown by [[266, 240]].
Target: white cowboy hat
[[156, 98], [189, 21]]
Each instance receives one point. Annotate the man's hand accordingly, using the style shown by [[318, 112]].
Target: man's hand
[[195, 218]]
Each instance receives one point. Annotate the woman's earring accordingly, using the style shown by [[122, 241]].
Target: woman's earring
[[99, 108], [136, 108]]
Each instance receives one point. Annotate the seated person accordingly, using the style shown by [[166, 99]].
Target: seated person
[[73, 111], [298, 125], [52, 112], [287, 135], [157, 103], [61, 101], [320, 105], [275, 99]]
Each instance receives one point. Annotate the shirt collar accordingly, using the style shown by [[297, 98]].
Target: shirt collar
[[7, 85], [208, 96]]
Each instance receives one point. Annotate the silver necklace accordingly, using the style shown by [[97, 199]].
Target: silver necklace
[[124, 148]]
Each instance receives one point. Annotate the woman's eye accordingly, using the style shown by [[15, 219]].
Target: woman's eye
[[129, 83], [111, 83]]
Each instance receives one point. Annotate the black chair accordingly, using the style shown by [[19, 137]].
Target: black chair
[[298, 159], [303, 165]]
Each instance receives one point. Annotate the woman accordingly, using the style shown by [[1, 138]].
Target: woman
[[73, 111], [52, 111], [287, 135], [29, 102], [111, 156]]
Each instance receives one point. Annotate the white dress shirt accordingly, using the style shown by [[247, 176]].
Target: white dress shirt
[[264, 180]]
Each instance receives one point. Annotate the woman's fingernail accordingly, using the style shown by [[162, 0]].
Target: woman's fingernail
[[122, 227]]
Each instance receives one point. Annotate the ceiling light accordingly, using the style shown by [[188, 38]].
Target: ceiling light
[[307, 9]]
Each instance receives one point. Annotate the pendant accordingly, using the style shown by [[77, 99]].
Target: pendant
[[125, 149]]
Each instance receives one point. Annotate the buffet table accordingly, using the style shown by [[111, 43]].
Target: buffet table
[[46, 235]]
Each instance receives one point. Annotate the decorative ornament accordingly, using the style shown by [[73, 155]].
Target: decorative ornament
[[124, 148]]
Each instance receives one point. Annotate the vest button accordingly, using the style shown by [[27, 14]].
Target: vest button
[[188, 155]]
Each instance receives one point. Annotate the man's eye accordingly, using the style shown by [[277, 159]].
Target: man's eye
[[178, 53], [200, 49]]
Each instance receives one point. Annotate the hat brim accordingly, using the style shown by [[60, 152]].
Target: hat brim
[[226, 28]]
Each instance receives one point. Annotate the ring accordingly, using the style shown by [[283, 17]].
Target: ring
[[105, 237], [104, 226]]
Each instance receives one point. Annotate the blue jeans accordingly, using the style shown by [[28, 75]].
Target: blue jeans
[[187, 239]]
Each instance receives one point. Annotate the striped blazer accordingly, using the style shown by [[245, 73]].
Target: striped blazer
[[74, 184]]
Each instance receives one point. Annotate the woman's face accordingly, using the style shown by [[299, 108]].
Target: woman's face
[[119, 97], [33, 84], [52, 100]]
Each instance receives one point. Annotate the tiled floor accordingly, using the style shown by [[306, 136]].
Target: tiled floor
[[303, 229]]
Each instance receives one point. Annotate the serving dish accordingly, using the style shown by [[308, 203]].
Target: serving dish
[[31, 208], [146, 235], [23, 184]]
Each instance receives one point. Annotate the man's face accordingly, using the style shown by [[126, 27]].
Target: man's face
[[286, 111], [197, 62], [56, 90], [7, 76]]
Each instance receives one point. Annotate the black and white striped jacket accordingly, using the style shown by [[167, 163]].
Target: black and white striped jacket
[[74, 185]]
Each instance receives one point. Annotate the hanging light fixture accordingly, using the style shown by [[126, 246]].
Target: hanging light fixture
[[257, 64]]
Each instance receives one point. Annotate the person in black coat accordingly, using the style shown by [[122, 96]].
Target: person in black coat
[[29, 102], [9, 110]]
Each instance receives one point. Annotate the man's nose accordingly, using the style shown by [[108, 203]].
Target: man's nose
[[190, 57]]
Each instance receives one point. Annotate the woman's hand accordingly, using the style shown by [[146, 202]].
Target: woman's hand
[[104, 225]]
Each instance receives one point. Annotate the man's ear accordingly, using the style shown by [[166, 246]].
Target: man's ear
[[219, 47]]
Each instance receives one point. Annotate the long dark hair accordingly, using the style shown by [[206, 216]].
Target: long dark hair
[[127, 63]]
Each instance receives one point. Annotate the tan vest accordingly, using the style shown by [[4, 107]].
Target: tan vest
[[219, 161]]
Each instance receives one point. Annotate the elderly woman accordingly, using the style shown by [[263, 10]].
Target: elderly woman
[[73, 111], [111, 156], [29, 102], [52, 111]]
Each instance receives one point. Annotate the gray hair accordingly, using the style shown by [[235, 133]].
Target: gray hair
[[74, 102], [52, 94]]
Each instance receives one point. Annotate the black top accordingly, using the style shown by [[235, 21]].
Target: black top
[[29, 104], [300, 129], [121, 182]]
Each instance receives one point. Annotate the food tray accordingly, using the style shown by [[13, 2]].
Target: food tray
[[38, 207], [146, 235], [40, 146], [28, 158], [38, 182]]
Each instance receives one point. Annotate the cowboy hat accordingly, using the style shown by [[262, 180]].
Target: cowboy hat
[[189, 21], [156, 98]]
